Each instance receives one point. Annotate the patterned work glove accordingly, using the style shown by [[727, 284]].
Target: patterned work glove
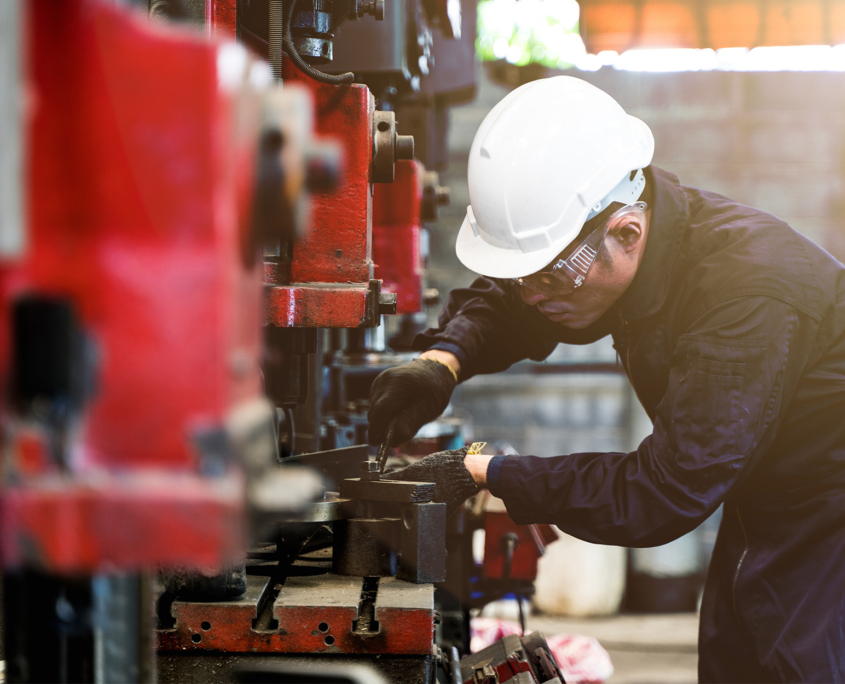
[[446, 469], [413, 394]]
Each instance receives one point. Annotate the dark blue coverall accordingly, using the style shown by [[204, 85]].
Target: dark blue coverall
[[733, 336]]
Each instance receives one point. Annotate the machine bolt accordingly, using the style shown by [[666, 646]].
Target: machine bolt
[[369, 471]]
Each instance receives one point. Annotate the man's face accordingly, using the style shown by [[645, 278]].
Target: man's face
[[605, 283]]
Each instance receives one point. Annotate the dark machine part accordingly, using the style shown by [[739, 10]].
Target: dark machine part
[[286, 365], [52, 361], [312, 27], [388, 146], [515, 659], [93, 628], [314, 23], [453, 81], [422, 549], [192, 584], [391, 521], [366, 547], [395, 53]]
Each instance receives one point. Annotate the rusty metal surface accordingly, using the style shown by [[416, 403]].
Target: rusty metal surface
[[338, 249], [312, 614], [210, 667], [319, 305]]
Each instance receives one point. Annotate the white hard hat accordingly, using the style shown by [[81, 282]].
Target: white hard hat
[[548, 157]]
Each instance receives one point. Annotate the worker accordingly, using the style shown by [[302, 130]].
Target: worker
[[731, 328]]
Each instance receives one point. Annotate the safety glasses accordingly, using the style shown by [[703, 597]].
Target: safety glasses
[[567, 274]]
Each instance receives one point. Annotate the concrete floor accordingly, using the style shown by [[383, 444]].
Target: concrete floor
[[644, 649]]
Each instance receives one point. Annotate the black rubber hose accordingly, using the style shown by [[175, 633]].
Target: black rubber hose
[[302, 65]]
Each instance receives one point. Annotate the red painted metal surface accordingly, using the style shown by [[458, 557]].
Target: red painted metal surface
[[396, 235], [531, 544], [327, 628], [337, 249], [332, 265], [138, 192], [131, 521], [316, 305], [221, 17]]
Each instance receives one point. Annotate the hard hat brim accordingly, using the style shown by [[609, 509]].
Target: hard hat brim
[[497, 262]]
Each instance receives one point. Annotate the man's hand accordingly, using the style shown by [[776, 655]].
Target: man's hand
[[413, 394], [446, 469]]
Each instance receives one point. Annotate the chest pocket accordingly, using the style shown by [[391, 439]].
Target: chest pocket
[[714, 410]]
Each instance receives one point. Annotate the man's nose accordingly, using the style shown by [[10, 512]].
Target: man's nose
[[533, 297]]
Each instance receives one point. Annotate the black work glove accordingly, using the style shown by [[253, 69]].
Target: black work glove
[[446, 469], [414, 394]]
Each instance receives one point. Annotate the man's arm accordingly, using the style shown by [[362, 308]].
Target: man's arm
[[487, 327], [732, 378]]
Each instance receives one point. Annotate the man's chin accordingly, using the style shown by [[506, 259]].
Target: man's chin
[[569, 320]]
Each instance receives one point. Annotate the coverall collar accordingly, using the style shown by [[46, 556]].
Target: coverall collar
[[669, 219]]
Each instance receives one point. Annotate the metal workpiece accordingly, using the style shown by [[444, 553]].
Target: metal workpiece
[[388, 146], [397, 491], [423, 544], [366, 547]]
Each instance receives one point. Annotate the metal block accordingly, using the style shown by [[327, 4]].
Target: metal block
[[423, 544], [366, 547], [387, 490]]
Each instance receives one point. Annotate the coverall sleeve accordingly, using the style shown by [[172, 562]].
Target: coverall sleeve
[[732, 377], [488, 328]]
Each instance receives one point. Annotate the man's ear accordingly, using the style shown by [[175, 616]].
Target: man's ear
[[629, 232]]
